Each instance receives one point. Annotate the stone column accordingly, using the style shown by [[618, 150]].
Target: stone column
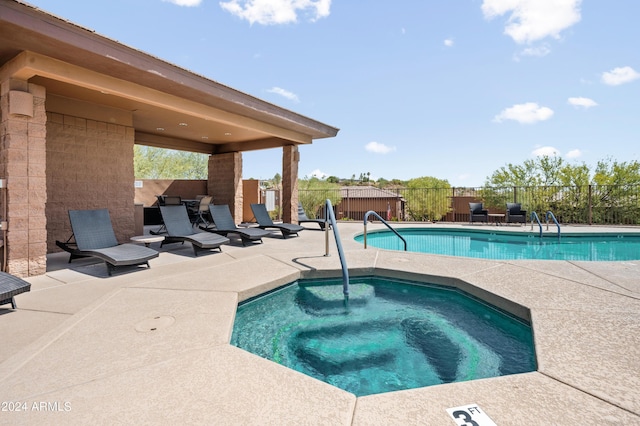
[[290, 160], [225, 181], [22, 163]]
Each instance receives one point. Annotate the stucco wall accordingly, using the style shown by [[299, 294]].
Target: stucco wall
[[89, 166], [149, 188]]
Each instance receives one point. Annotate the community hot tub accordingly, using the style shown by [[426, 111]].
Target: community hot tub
[[390, 335]]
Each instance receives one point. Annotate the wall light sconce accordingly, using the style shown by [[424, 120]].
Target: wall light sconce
[[20, 103]]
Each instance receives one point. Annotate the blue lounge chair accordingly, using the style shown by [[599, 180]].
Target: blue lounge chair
[[11, 286], [94, 237], [264, 221], [180, 229], [224, 224]]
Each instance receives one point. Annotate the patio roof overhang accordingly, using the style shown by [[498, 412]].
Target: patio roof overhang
[[168, 106]]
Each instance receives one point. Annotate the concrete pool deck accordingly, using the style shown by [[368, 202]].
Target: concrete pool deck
[[151, 346]]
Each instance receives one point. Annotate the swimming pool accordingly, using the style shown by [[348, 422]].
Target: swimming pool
[[505, 245], [391, 335]]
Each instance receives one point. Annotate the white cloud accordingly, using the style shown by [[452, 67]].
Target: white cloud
[[274, 12], [536, 51], [318, 174], [379, 148], [284, 93], [448, 42], [545, 151], [188, 3], [527, 113], [550, 151], [619, 76], [533, 20], [574, 153], [582, 102]]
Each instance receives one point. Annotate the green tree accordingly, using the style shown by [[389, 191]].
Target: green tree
[[540, 184], [277, 180], [611, 172], [615, 195], [313, 193], [541, 171], [158, 163], [382, 183], [549, 183], [427, 198], [397, 183]]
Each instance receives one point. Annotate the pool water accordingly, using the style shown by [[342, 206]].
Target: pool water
[[506, 246], [390, 335]]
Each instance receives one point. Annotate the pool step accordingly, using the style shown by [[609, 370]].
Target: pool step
[[337, 348], [442, 353], [325, 300]]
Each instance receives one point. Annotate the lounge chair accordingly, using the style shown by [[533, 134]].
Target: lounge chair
[[477, 213], [11, 286], [515, 214], [94, 237], [303, 218], [224, 224], [166, 200], [264, 221], [179, 230]]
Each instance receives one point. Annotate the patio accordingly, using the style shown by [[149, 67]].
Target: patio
[[151, 346]]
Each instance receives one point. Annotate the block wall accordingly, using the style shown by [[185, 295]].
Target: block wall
[[225, 181], [23, 164], [89, 166]]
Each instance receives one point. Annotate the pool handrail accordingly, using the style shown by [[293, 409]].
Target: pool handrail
[[372, 213], [331, 219], [532, 216], [550, 214]]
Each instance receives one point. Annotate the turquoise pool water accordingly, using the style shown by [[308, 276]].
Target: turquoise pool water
[[504, 245], [392, 334]]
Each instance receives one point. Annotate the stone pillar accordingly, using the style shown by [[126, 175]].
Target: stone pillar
[[225, 181], [290, 160], [23, 163]]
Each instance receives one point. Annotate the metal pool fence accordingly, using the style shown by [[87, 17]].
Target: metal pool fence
[[589, 204]]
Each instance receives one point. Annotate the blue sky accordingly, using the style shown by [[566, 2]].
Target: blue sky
[[453, 89]]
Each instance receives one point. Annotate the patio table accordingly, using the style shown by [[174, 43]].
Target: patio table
[[147, 239], [498, 218]]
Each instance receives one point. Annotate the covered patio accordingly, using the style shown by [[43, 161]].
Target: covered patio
[[73, 104]]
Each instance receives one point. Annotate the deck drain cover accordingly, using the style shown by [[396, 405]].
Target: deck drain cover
[[155, 323]]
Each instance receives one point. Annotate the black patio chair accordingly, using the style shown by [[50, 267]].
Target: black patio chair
[[515, 214], [477, 213]]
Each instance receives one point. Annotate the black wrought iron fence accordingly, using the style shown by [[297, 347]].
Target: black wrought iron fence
[[591, 204]]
